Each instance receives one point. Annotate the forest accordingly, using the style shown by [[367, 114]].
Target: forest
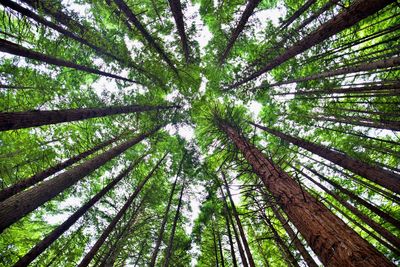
[[207, 133]]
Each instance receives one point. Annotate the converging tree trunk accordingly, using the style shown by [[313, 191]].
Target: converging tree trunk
[[315, 15], [297, 14], [176, 9], [335, 243], [232, 248]]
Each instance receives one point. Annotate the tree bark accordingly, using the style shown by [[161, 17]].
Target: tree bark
[[19, 205], [18, 50], [26, 119], [357, 11], [176, 9], [228, 228], [221, 254], [335, 243], [375, 174], [89, 256], [251, 5], [297, 14], [239, 224]]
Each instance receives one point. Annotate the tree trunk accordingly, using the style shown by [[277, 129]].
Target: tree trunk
[[221, 254], [332, 240], [26, 119], [297, 14], [315, 15], [251, 5], [215, 245], [357, 11], [176, 9], [375, 174], [228, 228], [134, 20], [19, 205], [239, 224], [89, 256], [18, 50]]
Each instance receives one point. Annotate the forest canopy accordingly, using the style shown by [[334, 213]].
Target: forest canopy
[[199, 133]]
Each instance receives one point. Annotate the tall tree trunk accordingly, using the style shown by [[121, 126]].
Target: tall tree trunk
[[176, 9], [357, 11], [221, 254], [62, 228], [18, 50], [332, 240], [134, 20], [25, 183], [168, 252], [297, 14], [26, 119], [19, 205], [239, 224], [89, 256], [228, 229], [251, 5], [317, 13], [215, 245], [375, 174]]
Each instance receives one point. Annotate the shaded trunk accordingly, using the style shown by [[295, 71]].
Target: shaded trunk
[[19, 205], [239, 224], [228, 228], [251, 5], [215, 245], [176, 9], [89, 256], [357, 11], [335, 243], [221, 254], [18, 50], [375, 174], [297, 14], [26, 119], [317, 13]]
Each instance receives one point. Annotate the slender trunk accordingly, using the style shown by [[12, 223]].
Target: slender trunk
[[297, 14], [221, 254], [168, 252], [375, 174], [317, 13], [89, 256], [26, 119], [239, 224], [228, 228], [176, 9], [215, 245], [139, 26], [19, 205], [357, 11], [335, 243], [251, 5], [25, 183], [18, 50]]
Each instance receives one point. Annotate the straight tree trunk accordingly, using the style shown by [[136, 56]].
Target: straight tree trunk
[[57, 232], [221, 254], [251, 5], [215, 245], [26, 119], [228, 229], [317, 13], [18, 50], [176, 9], [239, 224], [19, 205], [357, 11], [297, 14], [375, 174], [89, 256], [139, 26], [335, 243]]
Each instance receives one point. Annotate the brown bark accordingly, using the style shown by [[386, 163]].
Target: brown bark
[[332, 240], [357, 11], [26, 119], [297, 14], [89, 256], [57, 232], [176, 9], [18, 50], [19, 205], [251, 5], [375, 174], [239, 224]]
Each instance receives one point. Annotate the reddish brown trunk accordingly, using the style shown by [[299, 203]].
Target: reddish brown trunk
[[89, 256], [297, 14], [17, 206], [176, 9], [375, 174], [26, 119], [332, 240]]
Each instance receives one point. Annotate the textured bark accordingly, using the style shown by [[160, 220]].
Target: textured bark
[[232, 248], [357, 11], [134, 20], [176, 9], [317, 13], [26, 119], [18, 50], [239, 224], [297, 14], [17, 206], [375, 174], [89, 256], [251, 5], [57, 232], [335, 243]]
